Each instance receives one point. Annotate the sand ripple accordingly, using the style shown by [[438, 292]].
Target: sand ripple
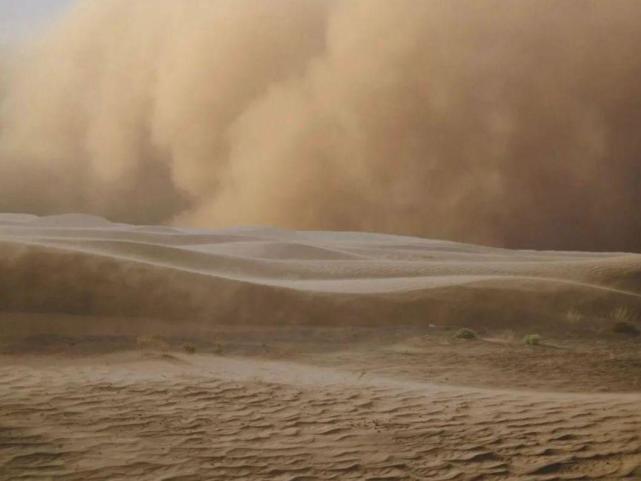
[[204, 419]]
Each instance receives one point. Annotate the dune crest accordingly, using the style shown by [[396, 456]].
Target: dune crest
[[87, 266]]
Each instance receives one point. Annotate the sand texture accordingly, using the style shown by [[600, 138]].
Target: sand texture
[[158, 353]]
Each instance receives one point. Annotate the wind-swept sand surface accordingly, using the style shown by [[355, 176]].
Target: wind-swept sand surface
[[159, 353]]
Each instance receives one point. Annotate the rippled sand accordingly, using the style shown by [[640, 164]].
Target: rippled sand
[[176, 416]]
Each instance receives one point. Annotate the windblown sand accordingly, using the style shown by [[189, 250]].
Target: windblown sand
[[156, 353]]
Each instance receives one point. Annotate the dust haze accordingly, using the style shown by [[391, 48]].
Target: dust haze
[[507, 123]]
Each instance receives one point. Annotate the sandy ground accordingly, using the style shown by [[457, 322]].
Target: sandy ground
[[153, 353]]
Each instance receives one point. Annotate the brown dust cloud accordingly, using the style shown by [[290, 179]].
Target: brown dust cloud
[[510, 123]]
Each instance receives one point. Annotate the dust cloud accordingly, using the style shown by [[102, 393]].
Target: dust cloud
[[508, 123]]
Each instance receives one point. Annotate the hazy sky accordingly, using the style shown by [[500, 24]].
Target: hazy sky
[[18, 17]]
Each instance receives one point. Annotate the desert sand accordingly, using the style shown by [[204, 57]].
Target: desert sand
[[164, 353]]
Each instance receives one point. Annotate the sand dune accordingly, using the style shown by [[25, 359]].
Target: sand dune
[[162, 353], [92, 267]]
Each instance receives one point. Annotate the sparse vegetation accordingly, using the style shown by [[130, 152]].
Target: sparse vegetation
[[465, 333], [189, 348], [624, 321], [152, 343], [626, 328], [623, 314], [573, 316], [532, 340]]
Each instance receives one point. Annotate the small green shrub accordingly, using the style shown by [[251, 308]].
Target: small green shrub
[[532, 340], [465, 333]]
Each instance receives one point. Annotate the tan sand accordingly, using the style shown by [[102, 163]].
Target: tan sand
[[155, 353]]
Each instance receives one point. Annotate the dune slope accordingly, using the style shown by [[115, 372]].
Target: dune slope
[[85, 265]]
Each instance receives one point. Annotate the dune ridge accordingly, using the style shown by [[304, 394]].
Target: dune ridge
[[88, 266]]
